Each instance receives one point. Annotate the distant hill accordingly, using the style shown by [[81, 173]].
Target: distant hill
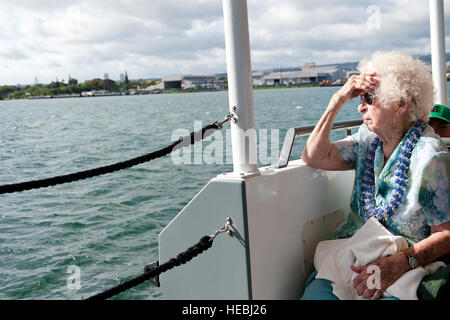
[[146, 79], [346, 65], [427, 58]]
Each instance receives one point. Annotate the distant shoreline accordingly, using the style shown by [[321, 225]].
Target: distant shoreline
[[113, 94]]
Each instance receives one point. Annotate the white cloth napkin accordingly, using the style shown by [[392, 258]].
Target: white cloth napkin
[[333, 259]]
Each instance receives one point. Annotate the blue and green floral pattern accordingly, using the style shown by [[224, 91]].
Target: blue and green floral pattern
[[426, 202]]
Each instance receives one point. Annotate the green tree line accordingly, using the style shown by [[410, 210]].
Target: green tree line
[[60, 87]]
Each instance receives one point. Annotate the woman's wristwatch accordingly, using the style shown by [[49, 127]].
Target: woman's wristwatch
[[412, 261]]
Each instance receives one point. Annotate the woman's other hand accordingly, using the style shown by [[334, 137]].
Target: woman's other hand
[[374, 278], [357, 85]]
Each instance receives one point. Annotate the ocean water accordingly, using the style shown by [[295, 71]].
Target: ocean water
[[108, 226]]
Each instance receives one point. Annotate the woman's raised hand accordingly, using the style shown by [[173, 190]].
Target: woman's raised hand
[[357, 85]]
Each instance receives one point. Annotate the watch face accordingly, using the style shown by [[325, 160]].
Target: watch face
[[413, 263]]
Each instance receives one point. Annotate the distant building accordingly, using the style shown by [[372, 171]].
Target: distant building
[[292, 78], [258, 77], [105, 76], [122, 77], [192, 81], [308, 65], [155, 87], [348, 74], [311, 74]]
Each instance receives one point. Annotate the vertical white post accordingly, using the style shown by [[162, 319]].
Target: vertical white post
[[240, 89], [438, 61]]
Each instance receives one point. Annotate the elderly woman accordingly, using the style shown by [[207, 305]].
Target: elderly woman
[[401, 167]]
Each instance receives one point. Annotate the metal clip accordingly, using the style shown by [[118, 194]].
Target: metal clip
[[225, 228], [233, 113], [151, 267], [230, 116]]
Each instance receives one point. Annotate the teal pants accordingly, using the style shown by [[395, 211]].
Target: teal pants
[[321, 289]]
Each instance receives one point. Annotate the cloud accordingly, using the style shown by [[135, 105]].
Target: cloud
[[12, 54], [328, 31], [49, 38]]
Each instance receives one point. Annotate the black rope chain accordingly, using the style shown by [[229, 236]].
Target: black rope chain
[[204, 244], [182, 142]]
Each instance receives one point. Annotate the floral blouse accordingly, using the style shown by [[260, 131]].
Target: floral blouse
[[426, 200]]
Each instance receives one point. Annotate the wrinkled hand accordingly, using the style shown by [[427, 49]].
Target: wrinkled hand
[[357, 85], [390, 268]]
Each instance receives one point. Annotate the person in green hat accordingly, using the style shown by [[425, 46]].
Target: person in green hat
[[440, 120]]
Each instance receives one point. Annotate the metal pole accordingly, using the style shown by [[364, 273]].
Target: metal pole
[[240, 89], [438, 61]]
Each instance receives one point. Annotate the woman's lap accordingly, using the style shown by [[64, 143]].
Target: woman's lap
[[321, 289], [318, 289]]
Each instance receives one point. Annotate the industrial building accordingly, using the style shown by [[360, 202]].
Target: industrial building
[[308, 74], [192, 81]]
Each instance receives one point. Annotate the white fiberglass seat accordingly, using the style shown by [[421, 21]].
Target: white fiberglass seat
[[279, 216]]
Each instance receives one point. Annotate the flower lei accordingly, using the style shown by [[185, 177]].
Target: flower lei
[[401, 174]]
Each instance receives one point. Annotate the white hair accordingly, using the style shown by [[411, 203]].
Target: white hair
[[402, 78]]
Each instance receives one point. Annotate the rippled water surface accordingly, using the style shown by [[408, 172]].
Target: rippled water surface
[[108, 226]]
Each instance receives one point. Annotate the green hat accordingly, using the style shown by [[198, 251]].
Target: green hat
[[440, 111]]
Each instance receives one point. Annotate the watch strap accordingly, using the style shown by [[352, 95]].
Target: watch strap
[[412, 261]]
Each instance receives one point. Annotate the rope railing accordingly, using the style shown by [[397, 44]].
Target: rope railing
[[182, 142], [150, 273], [204, 244]]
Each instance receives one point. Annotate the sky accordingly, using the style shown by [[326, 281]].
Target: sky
[[45, 40]]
